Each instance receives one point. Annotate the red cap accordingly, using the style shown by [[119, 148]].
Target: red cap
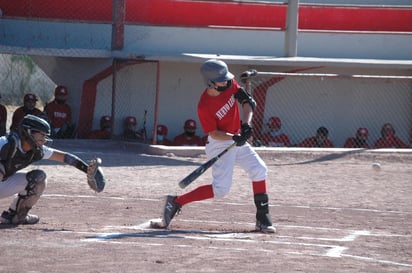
[[275, 121], [130, 120], [190, 124], [105, 119], [363, 131], [30, 97], [61, 90], [161, 130]]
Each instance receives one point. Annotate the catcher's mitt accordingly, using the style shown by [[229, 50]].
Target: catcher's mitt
[[95, 176]]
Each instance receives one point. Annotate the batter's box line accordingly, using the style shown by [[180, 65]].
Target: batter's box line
[[351, 234], [324, 250], [161, 199], [333, 251]]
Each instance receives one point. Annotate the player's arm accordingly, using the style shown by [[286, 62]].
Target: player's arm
[[248, 104], [69, 159], [95, 177]]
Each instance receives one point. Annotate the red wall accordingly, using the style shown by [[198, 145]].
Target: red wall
[[188, 13]]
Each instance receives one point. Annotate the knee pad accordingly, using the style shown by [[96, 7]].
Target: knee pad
[[36, 183]]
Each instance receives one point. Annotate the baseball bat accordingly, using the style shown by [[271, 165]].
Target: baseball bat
[[202, 168]]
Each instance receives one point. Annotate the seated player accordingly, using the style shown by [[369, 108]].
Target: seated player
[[389, 139], [29, 108], [105, 131], [360, 140], [59, 114], [161, 135], [320, 140], [188, 137], [275, 137], [130, 130]]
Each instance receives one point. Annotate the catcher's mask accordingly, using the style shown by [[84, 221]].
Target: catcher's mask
[[32, 124], [214, 71]]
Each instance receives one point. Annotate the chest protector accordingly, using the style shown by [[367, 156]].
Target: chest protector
[[13, 159]]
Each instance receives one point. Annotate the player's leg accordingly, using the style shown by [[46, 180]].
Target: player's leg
[[256, 168], [222, 172], [34, 184]]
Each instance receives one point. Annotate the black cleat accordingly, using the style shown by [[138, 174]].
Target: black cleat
[[170, 210]]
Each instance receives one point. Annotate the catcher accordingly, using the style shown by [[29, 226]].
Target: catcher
[[19, 149]]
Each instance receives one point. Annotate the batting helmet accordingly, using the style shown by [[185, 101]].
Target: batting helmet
[[190, 124], [215, 71]]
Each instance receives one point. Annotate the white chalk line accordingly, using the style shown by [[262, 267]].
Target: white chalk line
[[335, 251], [226, 203], [332, 250]]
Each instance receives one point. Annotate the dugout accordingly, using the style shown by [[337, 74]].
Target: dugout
[[125, 66]]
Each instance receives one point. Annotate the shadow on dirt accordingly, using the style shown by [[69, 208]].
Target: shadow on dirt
[[163, 233]]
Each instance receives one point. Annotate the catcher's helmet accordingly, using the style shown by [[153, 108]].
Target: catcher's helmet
[[33, 123], [215, 71]]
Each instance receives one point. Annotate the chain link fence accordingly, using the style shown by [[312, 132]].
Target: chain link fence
[[304, 102]]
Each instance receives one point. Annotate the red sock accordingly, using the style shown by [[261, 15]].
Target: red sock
[[259, 186], [200, 193]]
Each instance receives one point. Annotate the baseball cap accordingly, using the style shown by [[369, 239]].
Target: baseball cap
[[190, 124], [105, 120], [161, 130], [30, 97], [130, 120], [362, 131], [275, 121], [61, 90]]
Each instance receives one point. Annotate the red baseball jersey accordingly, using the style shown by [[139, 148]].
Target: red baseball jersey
[[183, 140], [312, 142], [19, 114], [220, 112], [392, 142], [352, 143], [281, 140], [59, 114]]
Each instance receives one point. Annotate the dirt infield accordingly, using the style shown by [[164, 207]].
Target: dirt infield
[[333, 213]]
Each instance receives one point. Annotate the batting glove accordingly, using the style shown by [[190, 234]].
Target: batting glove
[[246, 133]]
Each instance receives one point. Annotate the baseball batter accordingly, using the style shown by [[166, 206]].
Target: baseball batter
[[220, 117], [18, 150]]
